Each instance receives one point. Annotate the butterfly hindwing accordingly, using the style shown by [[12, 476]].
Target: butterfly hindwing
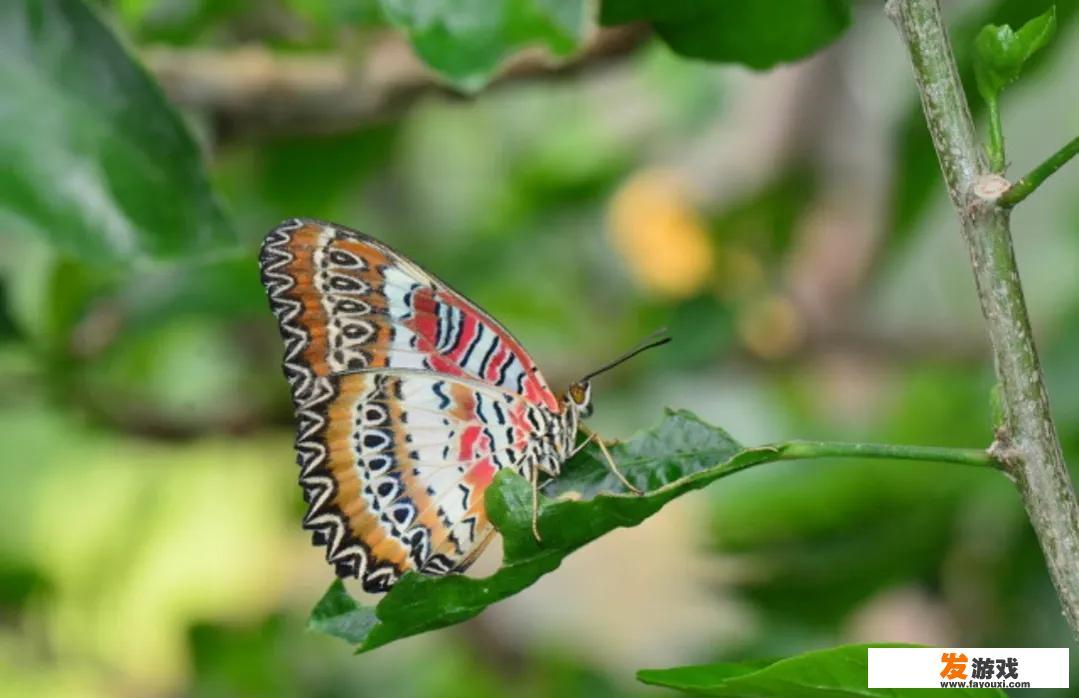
[[403, 460], [346, 302]]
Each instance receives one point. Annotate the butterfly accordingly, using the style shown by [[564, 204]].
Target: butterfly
[[408, 398]]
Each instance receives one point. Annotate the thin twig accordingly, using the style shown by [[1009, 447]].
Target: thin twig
[[997, 159], [1026, 184], [795, 450], [1027, 440]]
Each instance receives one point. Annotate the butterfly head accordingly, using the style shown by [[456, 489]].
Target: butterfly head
[[577, 404], [579, 399]]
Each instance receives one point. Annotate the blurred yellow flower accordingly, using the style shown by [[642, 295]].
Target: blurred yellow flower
[[770, 327], [659, 234]]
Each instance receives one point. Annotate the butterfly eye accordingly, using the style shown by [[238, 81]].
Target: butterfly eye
[[578, 392]]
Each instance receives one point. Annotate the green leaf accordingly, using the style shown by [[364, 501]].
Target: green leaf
[[999, 52], [96, 162], [465, 40], [758, 34], [679, 455], [831, 673], [339, 615]]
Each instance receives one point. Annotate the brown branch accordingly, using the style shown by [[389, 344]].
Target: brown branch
[[256, 91]]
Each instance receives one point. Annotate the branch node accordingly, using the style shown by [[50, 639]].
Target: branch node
[[1004, 453], [990, 187]]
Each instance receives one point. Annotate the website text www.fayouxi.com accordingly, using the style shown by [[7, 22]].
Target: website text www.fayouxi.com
[[971, 667]]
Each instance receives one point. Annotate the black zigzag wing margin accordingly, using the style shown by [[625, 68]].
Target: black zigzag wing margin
[[311, 396]]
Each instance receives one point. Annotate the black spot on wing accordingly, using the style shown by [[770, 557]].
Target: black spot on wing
[[443, 399]]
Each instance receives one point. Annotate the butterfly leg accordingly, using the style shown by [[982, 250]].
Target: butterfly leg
[[592, 436], [580, 446], [534, 478]]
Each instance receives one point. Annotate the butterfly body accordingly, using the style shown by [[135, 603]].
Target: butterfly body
[[408, 398]]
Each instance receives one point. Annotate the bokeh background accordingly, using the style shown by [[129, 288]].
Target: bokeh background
[[788, 226]]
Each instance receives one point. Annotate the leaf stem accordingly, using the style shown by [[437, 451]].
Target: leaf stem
[[792, 450], [1026, 442], [997, 161], [1026, 184]]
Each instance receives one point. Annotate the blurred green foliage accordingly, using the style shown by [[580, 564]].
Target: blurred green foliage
[[154, 546], [758, 34], [882, 524], [92, 148], [465, 40]]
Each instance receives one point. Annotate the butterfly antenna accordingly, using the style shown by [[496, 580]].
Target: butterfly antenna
[[655, 339]]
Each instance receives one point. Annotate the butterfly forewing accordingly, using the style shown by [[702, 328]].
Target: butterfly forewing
[[347, 302], [408, 397]]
